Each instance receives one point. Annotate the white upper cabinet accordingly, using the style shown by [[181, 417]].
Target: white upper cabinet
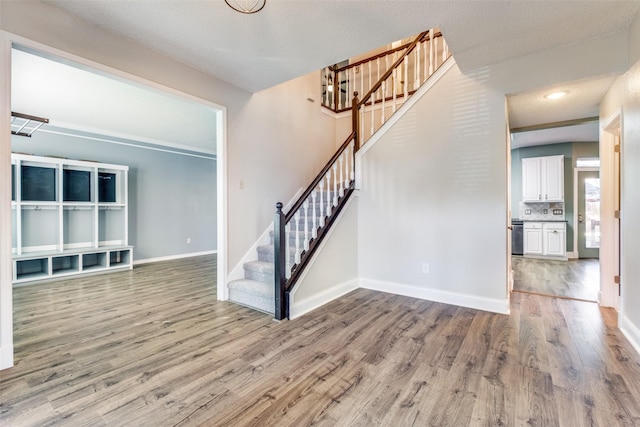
[[543, 179]]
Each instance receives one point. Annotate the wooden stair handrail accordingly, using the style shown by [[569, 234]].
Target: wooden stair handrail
[[379, 55], [298, 204], [395, 65]]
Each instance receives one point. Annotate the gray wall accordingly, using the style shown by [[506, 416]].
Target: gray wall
[[434, 191], [571, 151], [171, 196]]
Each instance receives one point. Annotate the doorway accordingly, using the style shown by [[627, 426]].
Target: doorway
[[219, 113], [587, 187]]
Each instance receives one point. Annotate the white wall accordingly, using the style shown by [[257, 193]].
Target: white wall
[[624, 96], [278, 142], [434, 191]]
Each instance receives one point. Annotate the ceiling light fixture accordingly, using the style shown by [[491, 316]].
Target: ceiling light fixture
[[556, 95], [246, 6]]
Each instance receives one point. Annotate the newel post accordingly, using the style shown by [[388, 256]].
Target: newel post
[[355, 118], [280, 262]]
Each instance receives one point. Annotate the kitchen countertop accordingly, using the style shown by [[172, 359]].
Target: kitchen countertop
[[539, 220]]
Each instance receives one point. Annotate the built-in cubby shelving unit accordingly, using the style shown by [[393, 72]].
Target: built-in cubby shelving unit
[[68, 217]]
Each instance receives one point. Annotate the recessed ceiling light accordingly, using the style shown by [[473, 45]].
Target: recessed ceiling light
[[556, 95]]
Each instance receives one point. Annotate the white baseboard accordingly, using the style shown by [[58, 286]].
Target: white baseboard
[[6, 357], [298, 308], [463, 300], [630, 331], [573, 255], [172, 257]]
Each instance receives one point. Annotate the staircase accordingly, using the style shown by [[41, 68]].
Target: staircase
[[298, 233], [256, 290]]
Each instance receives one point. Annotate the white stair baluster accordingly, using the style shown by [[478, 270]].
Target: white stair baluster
[[361, 68], [314, 210], [384, 86], [335, 184], [386, 94], [321, 189], [353, 160], [353, 86], [296, 221], [328, 205], [394, 76], [373, 113], [425, 68], [431, 52], [362, 111], [370, 76], [417, 56], [305, 205], [290, 233], [406, 78], [346, 167], [341, 161]]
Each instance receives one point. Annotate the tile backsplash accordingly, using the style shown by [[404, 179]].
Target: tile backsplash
[[542, 211]]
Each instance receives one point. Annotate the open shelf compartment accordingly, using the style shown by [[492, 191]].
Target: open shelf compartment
[[94, 261], [65, 264]]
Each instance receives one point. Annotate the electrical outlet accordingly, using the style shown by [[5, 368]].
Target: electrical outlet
[[527, 211], [425, 268], [241, 185], [188, 240]]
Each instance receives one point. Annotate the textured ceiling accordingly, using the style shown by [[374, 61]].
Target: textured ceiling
[[582, 100], [291, 38], [74, 98]]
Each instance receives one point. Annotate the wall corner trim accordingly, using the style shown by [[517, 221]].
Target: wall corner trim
[[463, 300], [6, 357], [630, 331]]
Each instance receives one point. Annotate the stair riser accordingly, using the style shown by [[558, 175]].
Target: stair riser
[[258, 276], [268, 257], [262, 304]]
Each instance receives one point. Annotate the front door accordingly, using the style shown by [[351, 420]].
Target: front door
[[588, 214]]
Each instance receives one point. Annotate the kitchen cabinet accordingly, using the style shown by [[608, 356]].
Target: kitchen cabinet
[[545, 239], [543, 179], [533, 238], [554, 239]]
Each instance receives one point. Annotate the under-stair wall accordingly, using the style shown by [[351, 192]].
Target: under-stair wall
[[433, 198]]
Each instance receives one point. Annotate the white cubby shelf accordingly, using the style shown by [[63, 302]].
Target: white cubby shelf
[[68, 217]]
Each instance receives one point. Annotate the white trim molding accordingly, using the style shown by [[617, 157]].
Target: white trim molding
[[463, 300], [630, 331], [172, 257], [298, 308]]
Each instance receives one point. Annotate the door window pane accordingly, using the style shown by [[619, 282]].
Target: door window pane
[[592, 212]]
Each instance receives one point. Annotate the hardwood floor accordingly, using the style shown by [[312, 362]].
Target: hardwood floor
[[153, 347], [577, 278]]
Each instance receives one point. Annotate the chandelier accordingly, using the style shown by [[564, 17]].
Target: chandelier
[[246, 6]]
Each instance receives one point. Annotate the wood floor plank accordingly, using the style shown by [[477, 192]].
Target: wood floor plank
[[154, 347]]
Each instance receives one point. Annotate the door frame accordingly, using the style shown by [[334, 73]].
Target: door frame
[[611, 131], [7, 40], [576, 169]]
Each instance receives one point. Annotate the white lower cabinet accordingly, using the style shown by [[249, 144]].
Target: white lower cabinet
[[546, 239], [533, 238], [554, 239]]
